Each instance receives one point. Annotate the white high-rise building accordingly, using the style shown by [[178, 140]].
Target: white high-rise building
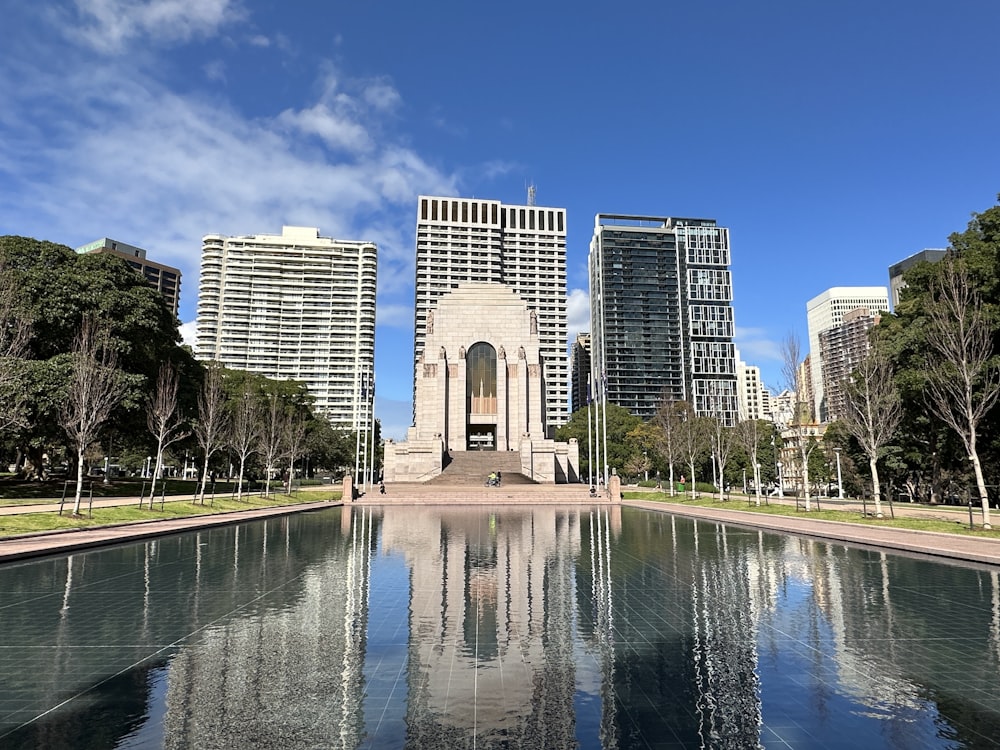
[[461, 240], [827, 310], [293, 306], [754, 398]]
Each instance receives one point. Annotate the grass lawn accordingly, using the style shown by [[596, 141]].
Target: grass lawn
[[21, 492], [846, 516], [32, 523]]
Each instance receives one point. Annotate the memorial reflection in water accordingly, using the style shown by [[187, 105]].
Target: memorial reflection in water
[[542, 627]]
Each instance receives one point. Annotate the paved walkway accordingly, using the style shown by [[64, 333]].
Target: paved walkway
[[951, 546]]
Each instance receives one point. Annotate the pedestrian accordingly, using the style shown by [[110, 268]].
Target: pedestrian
[[381, 488]]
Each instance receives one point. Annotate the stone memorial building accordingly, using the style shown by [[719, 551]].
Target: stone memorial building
[[480, 386]]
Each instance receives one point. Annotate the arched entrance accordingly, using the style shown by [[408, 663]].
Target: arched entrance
[[481, 397]]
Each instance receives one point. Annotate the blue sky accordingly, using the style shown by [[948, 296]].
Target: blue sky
[[833, 139]]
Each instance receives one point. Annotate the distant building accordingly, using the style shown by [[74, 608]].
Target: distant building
[[896, 270], [826, 311], [164, 279], [843, 348], [293, 306], [754, 398], [580, 371], [661, 314], [467, 240]]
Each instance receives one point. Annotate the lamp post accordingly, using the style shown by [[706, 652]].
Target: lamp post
[[781, 482], [840, 482], [645, 464]]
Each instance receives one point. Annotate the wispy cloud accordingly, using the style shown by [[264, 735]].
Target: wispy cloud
[[111, 150], [757, 347], [109, 26]]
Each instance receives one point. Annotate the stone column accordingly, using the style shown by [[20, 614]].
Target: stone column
[[457, 406], [503, 438]]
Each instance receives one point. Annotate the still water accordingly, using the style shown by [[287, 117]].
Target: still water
[[511, 627]]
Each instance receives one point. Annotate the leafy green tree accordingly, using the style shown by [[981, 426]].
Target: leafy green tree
[[55, 289], [620, 422]]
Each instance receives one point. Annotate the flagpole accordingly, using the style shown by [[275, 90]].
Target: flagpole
[[372, 420]]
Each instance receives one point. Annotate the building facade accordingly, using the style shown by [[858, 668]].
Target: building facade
[[294, 306], [164, 279], [896, 270], [843, 348], [754, 398], [464, 240], [481, 386], [580, 369], [661, 314], [826, 311]]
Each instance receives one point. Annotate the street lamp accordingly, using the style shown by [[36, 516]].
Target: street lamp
[[840, 482]]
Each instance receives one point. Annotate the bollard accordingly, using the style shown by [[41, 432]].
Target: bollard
[[971, 523]]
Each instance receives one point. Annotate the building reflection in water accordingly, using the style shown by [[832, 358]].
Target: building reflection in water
[[509, 627]]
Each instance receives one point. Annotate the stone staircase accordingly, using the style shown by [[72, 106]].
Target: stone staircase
[[470, 469], [429, 493]]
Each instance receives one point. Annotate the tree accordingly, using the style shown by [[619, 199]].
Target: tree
[[165, 423], [293, 440], [668, 418], [14, 332], [872, 411], [213, 420], [748, 436], [244, 435], [693, 437], [791, 370], [95, 388], [620, 422], [963, 372], [271, 436], [54, 289]]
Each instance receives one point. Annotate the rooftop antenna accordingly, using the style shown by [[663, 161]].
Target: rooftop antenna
[[531, 194]]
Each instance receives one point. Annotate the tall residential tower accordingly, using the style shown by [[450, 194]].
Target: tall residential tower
[[462, 240], [661, 314], [293, 306]]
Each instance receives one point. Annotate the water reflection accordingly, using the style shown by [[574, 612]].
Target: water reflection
[[543, 627]]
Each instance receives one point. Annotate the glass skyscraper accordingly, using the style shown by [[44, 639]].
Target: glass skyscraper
[[661, 314]]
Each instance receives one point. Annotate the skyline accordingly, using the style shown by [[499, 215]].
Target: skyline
[[831, 141]]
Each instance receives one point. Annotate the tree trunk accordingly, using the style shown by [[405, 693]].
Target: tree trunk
[[158, 472], [984, 498], [804, 456], [79, 482], [204, 480], [239, 483], [876, 486], [756, 481], [673, 487]]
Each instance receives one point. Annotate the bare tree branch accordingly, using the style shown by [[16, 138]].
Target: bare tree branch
[[963, 382], [213, 421], [872, 411], [162, 418], [96, 387]]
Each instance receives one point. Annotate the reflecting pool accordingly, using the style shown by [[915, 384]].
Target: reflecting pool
[[547, 627]]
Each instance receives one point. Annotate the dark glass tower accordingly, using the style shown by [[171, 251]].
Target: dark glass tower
[[661, 314]]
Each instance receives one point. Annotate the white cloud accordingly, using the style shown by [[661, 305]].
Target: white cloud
[[577, 313], [109, 26], [128, 158], [381, 96], [395, 316], [188, 333], [755, 347], [215, 71], [259, 40]]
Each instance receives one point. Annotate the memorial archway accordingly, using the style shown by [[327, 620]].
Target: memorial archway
[[481, 397]]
